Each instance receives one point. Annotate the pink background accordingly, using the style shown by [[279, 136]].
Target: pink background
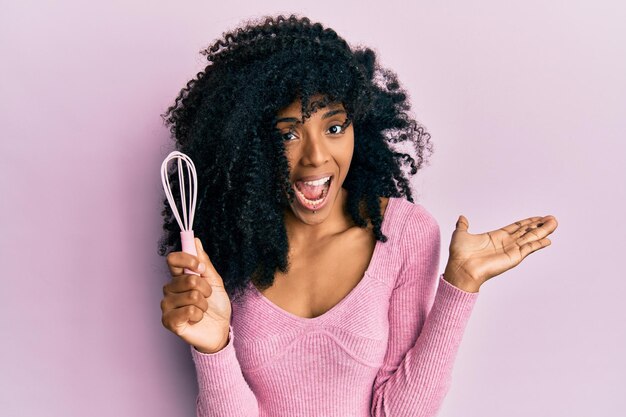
[[526, 105]]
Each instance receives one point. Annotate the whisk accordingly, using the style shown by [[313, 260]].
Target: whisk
[[186, 224]]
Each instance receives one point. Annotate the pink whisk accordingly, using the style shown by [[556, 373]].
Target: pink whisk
[[186, 224]]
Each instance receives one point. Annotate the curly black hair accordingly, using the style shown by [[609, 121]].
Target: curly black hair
[[224, 120]]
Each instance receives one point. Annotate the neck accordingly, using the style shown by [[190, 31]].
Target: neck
[[337, 222]]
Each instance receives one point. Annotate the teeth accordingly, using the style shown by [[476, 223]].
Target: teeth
[[317, 182], [312, 202]]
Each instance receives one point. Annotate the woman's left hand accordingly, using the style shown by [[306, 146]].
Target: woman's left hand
[[474, 259]]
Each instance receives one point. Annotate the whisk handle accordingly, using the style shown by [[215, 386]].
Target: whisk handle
[[189, 246]]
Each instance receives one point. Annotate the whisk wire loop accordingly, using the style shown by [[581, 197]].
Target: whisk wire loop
[[186, 223]]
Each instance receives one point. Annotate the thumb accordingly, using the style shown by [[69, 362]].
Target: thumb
[[199, 248], [209, 271], [462, 224], [201, 254]]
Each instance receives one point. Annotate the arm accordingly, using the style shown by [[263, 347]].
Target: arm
[[426, 327], [223, 391]]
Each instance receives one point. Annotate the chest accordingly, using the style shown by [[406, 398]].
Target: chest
[[320, 276]]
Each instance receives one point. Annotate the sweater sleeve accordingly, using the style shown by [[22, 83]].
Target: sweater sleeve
[[426, 324], [223, 391]]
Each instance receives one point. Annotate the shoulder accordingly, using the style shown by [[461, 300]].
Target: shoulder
[[418, 229], [412, 218]]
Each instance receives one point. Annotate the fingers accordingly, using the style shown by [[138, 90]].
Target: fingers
[[185, 283], [533, 246], [184, 301], [530, 231], [178, 261], [516, 226], [536, 231], [189, 298], [175, 320], [520, 227]]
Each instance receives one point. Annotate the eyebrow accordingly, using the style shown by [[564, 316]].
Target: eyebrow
[[326, 115]]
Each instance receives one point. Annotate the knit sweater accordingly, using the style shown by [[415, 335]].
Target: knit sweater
[[385, 350]]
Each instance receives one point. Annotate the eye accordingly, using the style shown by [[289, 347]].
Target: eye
[[285, 135], [340, 129]]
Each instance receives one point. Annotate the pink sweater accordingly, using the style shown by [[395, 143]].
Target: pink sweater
[[386, 349]]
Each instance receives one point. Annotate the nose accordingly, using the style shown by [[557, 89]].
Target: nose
[[314, 152]]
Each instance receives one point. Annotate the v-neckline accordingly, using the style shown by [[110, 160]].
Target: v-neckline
[[349, 296]]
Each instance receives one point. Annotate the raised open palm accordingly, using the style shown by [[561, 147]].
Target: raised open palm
[[478, 257]]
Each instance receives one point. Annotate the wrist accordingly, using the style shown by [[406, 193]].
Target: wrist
[[212, 351], [461, 282]]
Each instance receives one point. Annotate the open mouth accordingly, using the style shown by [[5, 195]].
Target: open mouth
[[313, 195]]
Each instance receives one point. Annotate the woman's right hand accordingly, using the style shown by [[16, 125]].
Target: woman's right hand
[[196, 308]]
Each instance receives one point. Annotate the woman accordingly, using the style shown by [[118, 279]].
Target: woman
[[319, 292]]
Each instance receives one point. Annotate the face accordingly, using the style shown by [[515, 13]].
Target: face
[[319, 153]]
